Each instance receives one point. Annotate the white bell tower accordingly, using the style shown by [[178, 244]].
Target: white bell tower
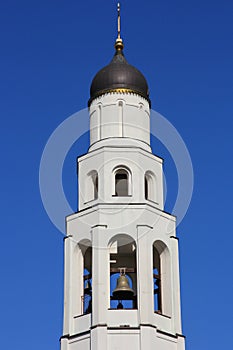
[[121, 275]]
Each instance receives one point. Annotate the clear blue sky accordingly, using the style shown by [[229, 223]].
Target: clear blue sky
[[50, 50]]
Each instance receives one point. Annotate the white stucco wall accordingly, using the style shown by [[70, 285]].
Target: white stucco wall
[[120, 139], [117, 115]]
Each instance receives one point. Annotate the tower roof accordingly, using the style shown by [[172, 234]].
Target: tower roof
[[119, 75]]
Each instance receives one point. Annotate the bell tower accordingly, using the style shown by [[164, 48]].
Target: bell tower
[[121, 277]]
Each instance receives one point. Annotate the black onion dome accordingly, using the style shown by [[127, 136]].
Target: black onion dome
[[119, 75]]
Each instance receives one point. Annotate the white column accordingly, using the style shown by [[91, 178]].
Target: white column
[[145, 274], [99, 277], [67, 281], [176, 285], [99, 340]]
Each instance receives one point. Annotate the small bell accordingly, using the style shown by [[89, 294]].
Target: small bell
[[87, 289], [123, 290]]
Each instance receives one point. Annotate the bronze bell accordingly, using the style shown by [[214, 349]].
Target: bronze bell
[[123, 290], [87, 289]]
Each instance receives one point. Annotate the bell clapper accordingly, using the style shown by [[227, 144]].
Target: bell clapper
[[120, 305]]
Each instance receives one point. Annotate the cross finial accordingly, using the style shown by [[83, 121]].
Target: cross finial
[[119, 43], [119, 20]]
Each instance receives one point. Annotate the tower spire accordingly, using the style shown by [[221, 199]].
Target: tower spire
[[119, 20], [119, 43]]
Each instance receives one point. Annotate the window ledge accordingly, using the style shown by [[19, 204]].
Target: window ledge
[[159, 313], [151, 201], [81, 315], [90, 201], [122, 309], [128, 195]]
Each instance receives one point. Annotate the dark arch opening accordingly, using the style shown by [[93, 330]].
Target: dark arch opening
[[121, 183]]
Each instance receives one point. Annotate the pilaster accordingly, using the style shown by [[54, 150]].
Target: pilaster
[[100, 277]]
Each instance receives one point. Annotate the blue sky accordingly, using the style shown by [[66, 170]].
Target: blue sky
[[50, 51]]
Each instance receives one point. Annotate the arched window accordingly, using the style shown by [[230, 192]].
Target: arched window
[[91, 190], [122, 182], [161, 278], [123, 277], [150, 186], [86, 297]]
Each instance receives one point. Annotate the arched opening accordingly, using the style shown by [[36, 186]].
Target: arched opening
[[96, 185], [86, 297], [146, 187], [92, 186], [150, 186], [161, 278], [122, 182], [123, 277], [157, 281]]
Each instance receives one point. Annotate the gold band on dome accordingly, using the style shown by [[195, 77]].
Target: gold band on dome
[[120, 91]]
